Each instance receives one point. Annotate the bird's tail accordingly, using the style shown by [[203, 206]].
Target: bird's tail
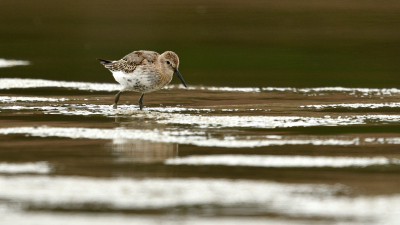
[[104, 62]]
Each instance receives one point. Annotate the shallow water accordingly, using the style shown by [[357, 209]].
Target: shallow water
[[200, 155], [291, 115]]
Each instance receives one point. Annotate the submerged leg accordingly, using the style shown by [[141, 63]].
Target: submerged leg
[[141, 101], [116, 99]]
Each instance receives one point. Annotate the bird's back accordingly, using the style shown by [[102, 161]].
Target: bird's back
[[130, 62]]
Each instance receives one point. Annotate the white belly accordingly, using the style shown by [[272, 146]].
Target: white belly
[[138, 82]]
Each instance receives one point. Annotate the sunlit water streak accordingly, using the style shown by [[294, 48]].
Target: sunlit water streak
[[197, 138], [141, 194], [124, 193], [15, 168], [303, 201], [9, 83], [178, 115], [16, 217], [282, 161], [12, 99], [365, 91], [356, 105], [106, 110], [275, 121], [11, 63]]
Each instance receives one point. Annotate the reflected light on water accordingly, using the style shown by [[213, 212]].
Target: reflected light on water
[[141, 151], [33, 167], [10, 83], [282, 161], [276, 135], [11, 63]]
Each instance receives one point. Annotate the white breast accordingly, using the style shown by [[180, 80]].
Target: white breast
[[139, 80]]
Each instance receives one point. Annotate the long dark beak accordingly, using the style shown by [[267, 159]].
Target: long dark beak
[[180, 77]]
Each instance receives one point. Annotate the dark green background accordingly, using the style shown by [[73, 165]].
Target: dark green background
[[220, 43]]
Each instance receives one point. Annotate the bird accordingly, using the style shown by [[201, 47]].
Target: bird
[[143, 71]]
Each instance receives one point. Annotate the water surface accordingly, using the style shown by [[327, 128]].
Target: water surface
[[291, 115], [203, 154]]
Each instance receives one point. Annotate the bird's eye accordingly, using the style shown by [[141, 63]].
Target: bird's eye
[[168, 63]]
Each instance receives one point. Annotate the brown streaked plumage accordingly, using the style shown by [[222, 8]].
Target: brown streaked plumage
[[143, 71]]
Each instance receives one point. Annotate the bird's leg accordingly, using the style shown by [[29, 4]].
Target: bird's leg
[[141, 101], [116, 99]]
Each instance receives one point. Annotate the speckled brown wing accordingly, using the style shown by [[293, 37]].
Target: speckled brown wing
[[139, 57], [129, 62]]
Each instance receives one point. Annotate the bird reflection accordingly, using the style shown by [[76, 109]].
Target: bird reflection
[[141, 151]]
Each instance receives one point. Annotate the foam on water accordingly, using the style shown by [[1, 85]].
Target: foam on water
[[142, 194], [14, 168], [281, 161], [11, 63]]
